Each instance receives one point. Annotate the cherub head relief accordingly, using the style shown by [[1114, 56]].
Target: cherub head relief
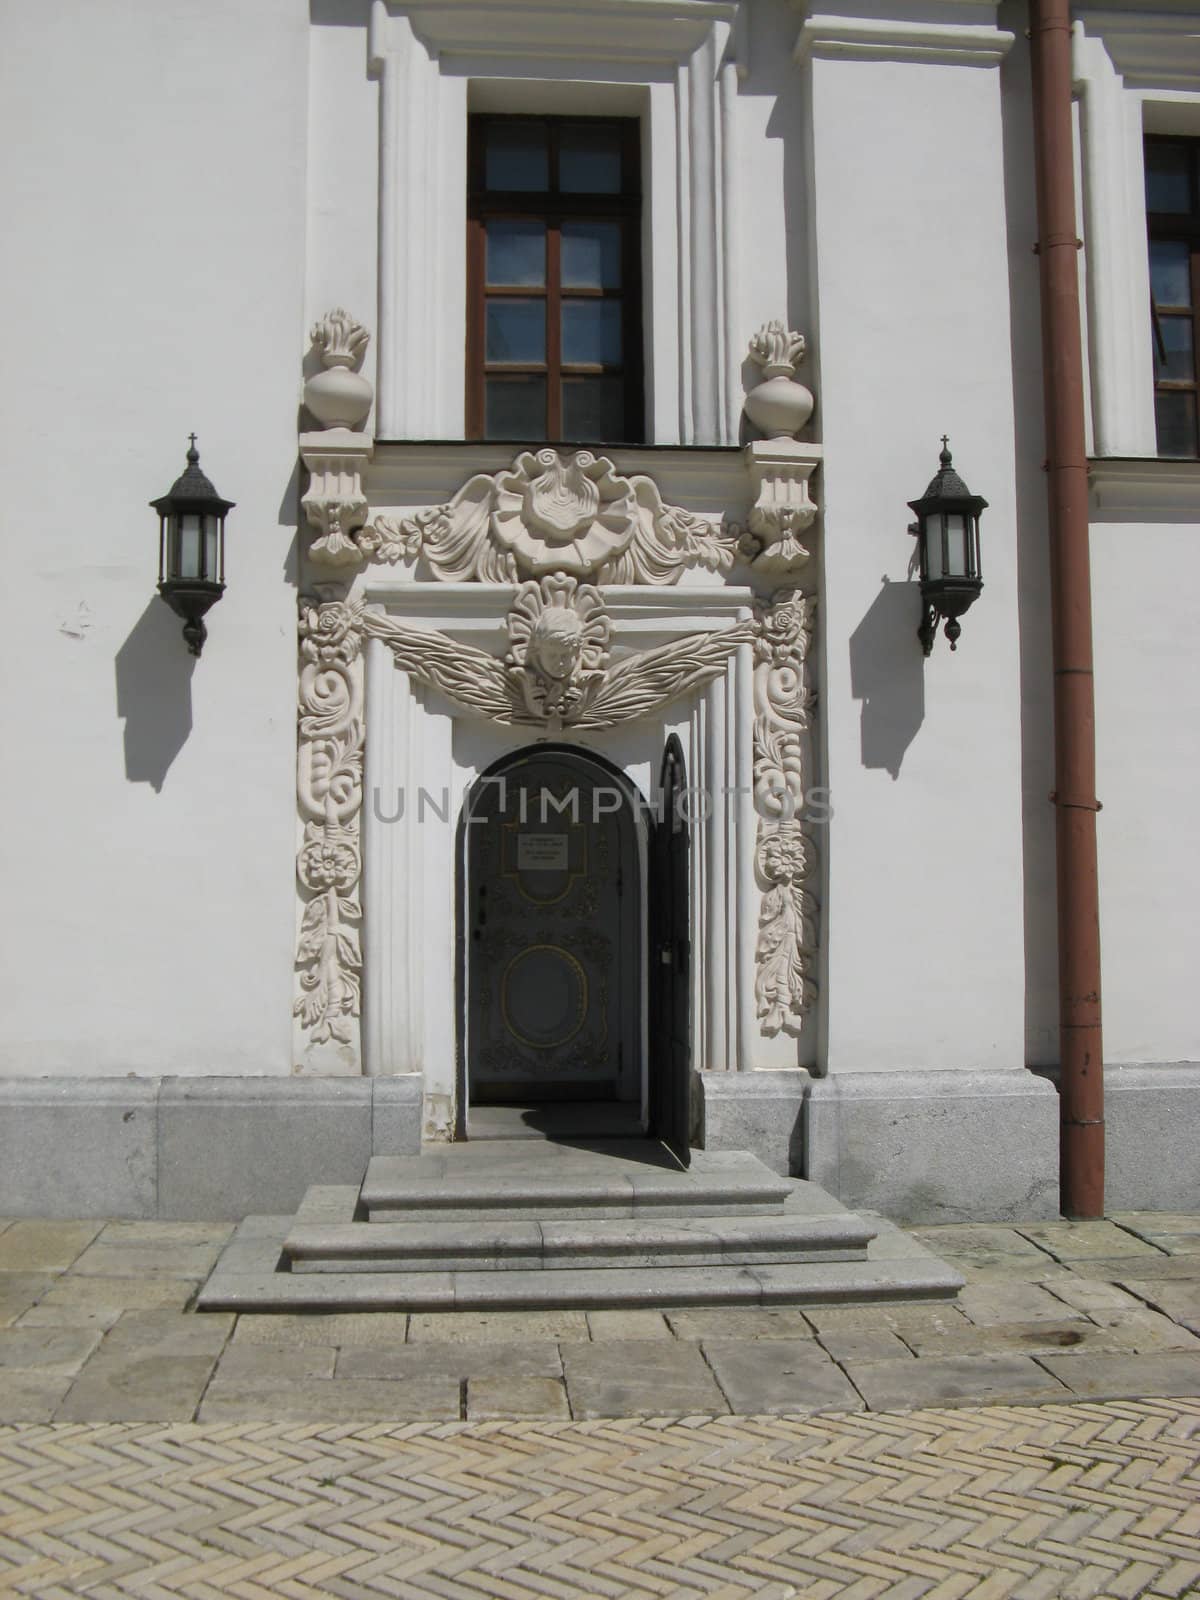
[[558, 635], [556, 644]]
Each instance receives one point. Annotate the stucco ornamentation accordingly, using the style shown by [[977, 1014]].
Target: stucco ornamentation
[[568, 682], [785, 955], [334, 502], [558, 633], [339, 396], [329, 788], [550, 513], [778, 405], [780, 470]]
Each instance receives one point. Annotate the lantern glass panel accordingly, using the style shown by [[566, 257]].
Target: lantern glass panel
[[212, 566], [188, 546], [957, 565], [934, 563]]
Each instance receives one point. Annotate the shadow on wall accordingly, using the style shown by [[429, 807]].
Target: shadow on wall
[[887, 674], [154, 694]]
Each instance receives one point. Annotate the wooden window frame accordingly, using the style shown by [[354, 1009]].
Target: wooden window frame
[[1180, 227], [554, 207]]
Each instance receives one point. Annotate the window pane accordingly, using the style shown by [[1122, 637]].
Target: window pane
[[591, 332], [516, 156], [1176, 418], [1170, 272], [515, 408], [516, 330], [1168, 179], [589, 159], [1174, 359], [516, 252], [591, 255], [594, 409]]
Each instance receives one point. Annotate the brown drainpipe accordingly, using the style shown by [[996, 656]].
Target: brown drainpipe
[[1081, 1056]]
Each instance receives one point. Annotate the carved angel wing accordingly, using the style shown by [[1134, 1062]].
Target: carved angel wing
[[468, 676], [643, 683]]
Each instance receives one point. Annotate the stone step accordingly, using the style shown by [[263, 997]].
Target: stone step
[[490, 1243], [623, 1179], [589, 1289]]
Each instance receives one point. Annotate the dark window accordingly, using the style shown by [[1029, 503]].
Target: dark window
[[554, 335], [1173, 212]]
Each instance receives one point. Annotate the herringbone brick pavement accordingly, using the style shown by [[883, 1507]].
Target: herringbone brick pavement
[[1059, 1502]]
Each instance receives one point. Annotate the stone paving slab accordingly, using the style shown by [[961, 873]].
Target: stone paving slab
[[461, 1360], [1111, 1332], [954, 1381], [1061, 1502], [384, 1328], [626, 1378], [1180, 1301], [54, 1351], [515, 1397], [18, 1292], [333, 1400], [1081, 1241], [993, 1305], [628, 1325], [785, 1376], [1138, 1269], [166, 1233], [1172, 1372], [138, 1386], [982, 1266], [873, 1344], [504, 1326], [36, 1246], [1146, 1223], [32, 1395], [270, 1365], [735, 1322], [104, 1260], [118, 1294], [76, 1346]]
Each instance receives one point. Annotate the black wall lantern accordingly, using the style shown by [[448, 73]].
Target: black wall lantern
[[191, 548], [947, 533]]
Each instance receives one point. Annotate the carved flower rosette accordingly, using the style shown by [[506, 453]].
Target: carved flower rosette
[[563, 514]]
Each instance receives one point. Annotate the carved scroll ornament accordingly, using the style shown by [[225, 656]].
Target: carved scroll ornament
[[329, 785], [785, 956], [548, 513]]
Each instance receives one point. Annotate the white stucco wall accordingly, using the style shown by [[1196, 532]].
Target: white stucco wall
[[924, 900], [1144, 579], [153, 196]]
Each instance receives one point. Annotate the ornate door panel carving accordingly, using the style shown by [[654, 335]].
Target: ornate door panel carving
[[553, 936]]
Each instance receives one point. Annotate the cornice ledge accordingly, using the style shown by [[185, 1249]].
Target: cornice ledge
[[1151, 50], [1154, 487], [644, 30], [968, 44]]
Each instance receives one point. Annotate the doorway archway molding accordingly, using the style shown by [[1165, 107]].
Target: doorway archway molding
[[418, 739]]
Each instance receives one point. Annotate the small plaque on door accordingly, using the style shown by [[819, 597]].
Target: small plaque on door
[[542, 852]]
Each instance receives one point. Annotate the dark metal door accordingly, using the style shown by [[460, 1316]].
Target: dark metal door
[[670, 961], [553, 991]]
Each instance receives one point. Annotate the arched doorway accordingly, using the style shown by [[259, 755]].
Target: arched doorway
[[552, 910]]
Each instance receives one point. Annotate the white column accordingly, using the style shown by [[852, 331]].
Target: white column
[[715, 945], [745, 833], [382, 786], [409, 195], [1116, 258]]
